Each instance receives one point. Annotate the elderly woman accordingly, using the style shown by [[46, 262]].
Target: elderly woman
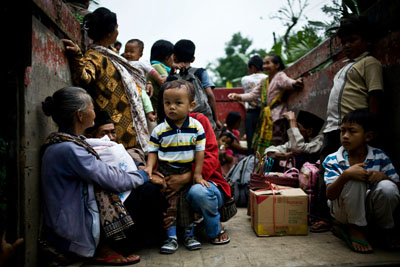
[[115, 85], [81, 208]]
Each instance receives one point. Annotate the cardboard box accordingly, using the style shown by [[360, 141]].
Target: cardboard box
[[290, 209]]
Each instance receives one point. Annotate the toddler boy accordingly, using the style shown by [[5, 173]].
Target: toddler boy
[[176, 143]]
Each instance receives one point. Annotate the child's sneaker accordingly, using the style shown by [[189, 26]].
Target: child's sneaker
[[191, 243], [170, 246]]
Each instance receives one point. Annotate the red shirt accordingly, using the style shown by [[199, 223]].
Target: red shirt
[[211, 166]]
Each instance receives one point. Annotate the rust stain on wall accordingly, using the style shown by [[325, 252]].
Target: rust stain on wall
[[48, 51]]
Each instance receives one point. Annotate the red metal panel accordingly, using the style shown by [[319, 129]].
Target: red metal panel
[[319, 55], [224, 105], [59, 13]]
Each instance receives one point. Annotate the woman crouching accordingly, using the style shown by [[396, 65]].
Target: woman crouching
[[82, 210]]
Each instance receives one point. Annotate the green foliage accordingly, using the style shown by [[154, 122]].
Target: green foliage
[[290, 45], [301, 42], [338, 10], [234, 65]]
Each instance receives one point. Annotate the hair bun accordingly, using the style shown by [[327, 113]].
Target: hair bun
[[48, 106]]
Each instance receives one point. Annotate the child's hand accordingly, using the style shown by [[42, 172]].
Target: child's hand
[[158, 178], [375, 177], [198, 179], [289, 115], [7, 250], [357, 172], [149, 89], [234, 97], [151, 116], [179, 66], [149, 171]]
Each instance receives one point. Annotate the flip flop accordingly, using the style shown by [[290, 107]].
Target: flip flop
[[226, 241], [107, 261], [320, 227], [342, 233]]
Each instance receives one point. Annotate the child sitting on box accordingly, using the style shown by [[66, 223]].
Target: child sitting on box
[[176, 143], [362, 184], [304, 140]]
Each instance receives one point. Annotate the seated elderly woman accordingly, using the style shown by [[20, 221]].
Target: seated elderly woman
[[82, 210]]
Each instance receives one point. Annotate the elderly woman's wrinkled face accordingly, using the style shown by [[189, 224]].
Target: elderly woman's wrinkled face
[[88, 116]]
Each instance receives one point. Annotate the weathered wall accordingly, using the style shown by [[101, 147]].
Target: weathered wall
[[48, 72]]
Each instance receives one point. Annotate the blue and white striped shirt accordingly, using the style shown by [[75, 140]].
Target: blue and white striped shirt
[[376, 160], [177, 145]]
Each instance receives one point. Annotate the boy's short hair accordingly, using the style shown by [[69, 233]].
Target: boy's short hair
[[354, 25], [139, 42], [256, 61], [362, 117], [161, 50], [232, 118], [182, 83], [184, 50]]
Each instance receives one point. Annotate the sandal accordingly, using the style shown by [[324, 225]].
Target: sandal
[[342, 233], [218, 237], [191, 243], [170, 246], [108, 261], [320, 227]]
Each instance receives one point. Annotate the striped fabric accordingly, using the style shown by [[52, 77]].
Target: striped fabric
[[376, 160], [177, 145]]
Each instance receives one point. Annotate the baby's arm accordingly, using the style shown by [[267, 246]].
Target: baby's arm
[[198, 168], [157, 77]]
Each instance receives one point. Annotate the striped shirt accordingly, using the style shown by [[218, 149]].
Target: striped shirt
[[336, 163], [175, 145]]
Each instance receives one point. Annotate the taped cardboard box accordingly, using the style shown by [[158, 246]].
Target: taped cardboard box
[[284, 213]]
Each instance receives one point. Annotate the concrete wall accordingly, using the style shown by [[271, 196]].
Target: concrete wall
[[48, 71]]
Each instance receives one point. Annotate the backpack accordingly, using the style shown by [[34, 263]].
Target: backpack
[[308, 181], [239, 178], [193, 75], [308, 177]]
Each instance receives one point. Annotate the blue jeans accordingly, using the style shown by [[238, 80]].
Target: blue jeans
[[207, 201]]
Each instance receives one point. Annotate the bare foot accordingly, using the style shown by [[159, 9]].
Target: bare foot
[[358, 239], [222, 238]]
